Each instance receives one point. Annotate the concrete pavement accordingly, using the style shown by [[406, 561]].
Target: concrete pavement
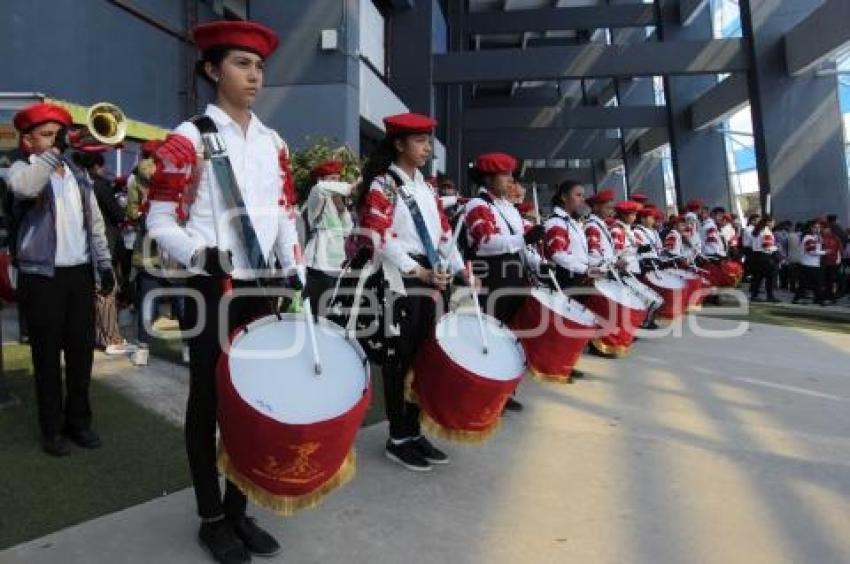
[[692, 450]]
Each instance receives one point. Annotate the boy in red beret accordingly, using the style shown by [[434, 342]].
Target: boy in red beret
[[61, 251]]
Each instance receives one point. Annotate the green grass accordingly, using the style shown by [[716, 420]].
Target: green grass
[[143, 457], [837, 322]]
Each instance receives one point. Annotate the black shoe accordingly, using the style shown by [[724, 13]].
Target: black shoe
[[255, 539], [429, 452], [85, 438], [773, 300], [755, 299], [407, 454], [513, 405], [651, 326], [55, 446], [576, 373], [220, 540], [795, 301]]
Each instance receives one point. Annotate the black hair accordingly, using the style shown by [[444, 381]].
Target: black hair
[[832, 218], [765, 219], [378, 163], [718, 209], [564, 187], [87, 160], [215, 56]]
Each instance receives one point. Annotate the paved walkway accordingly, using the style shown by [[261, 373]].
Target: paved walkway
[[692, 450]]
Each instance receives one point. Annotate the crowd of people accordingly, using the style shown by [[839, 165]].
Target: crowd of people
[[87, 247]]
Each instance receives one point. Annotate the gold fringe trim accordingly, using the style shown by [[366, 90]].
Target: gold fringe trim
[[283, 505], [609, 350], [456, 435], [549, 378]]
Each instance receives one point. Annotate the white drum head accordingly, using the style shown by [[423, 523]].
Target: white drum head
[[459, 336], [564, 306], [619, 293], [666, 280], [271, 367]]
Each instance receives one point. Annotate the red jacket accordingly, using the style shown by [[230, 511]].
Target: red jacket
[[832, 247]]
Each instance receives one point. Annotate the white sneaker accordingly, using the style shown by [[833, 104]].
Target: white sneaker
[[140, 357], [120, 348], [185, 354]]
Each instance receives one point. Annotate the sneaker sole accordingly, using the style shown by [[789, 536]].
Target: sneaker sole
[[401, 462], [207, 550], [441, 462]]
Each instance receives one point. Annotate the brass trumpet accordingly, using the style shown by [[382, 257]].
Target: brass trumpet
[[106, 125]]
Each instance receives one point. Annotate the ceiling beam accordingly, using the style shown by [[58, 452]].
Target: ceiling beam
[[592, 61], [538, 144], [720, 102], [818, 37], [584, 117], [690, 9], [549, 19]]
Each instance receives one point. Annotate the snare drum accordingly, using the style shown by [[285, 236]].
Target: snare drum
[[672, 288], [553, 330], [726, 273], [621, 312], [695, 284], [287, 433], [461, 390]]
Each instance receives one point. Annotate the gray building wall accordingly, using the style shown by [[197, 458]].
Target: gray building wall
[[797, 122]]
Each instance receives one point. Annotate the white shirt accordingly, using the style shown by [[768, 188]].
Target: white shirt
[[605, 251], [575, 258], [712, 239], [254, 157], [402, 240], [647, 236], [629, 251], [328, 227], [811, 250]]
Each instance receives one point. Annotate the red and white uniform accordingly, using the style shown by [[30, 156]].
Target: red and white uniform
[[648, 236], [691, 238], [765, 242], [812, 250], [625, 246], [185, 217], [496, 227], [600, 244], [674, 244], [713, 243], [566, 243], [385, 213], [730, 235]]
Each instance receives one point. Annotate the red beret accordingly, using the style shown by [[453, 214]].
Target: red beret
[[326, 168], [647, 211], [659, 215], [602, 197], [409, 124], [694, 205], [250, 36], [640, 197], [39, 113], [496, 163], [627, 207]]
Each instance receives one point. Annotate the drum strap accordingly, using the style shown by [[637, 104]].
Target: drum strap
[[215, 151], [604, 229], [418, 221], [484, 195]]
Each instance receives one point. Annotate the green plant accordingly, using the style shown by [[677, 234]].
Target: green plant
[[317, 151]]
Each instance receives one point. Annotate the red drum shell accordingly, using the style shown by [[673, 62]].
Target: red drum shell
[[554, 352], [625, 321], [674, 298], [726, 273]]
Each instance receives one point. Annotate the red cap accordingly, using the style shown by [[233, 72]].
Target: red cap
[[659, 215], [326, 168], [42, 112], [640, 197], [647, 211], [250, 36], [496, 163], [694, 205], [409, 124], [627, 207], [677, 219], [602, 197]]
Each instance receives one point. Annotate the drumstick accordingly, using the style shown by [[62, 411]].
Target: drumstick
[[477, 307], [536, 201], [308, 311]]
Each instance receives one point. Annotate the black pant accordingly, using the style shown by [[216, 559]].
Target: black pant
[[319, 288], [830, 281], [415, 314], [811, 278], [763, 268], [501, 273], [204, 351], [60, 315]]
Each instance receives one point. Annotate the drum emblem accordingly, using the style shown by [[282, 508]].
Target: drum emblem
[[301, 471]]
